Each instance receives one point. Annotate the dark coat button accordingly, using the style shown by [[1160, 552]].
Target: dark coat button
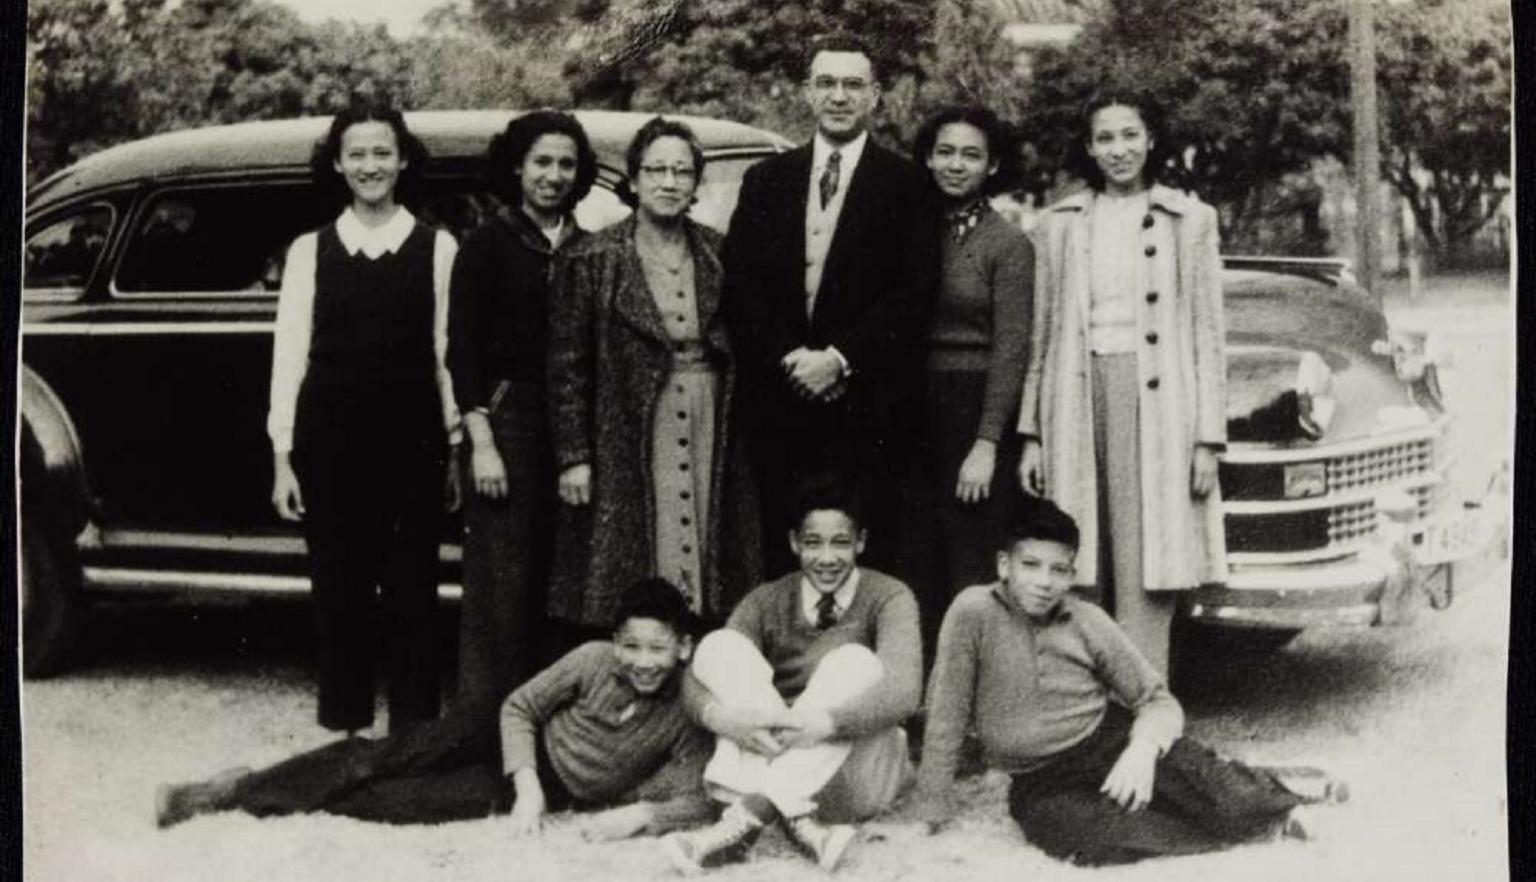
[[1152, 383], [1152, 337], [1151, 251], [1151, 296], [1146, 222]]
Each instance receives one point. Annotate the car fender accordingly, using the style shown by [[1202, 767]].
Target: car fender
[[52, 467]]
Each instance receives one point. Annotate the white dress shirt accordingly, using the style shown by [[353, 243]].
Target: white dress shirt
[[843, 596], [295, 313]]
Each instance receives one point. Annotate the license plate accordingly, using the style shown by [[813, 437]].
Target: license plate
[[1453, 536]]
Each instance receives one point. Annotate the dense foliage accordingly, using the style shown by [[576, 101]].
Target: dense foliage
[[1257, 90]]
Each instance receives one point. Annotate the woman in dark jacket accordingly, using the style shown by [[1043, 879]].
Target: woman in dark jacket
[[540, 167], [641, 380]]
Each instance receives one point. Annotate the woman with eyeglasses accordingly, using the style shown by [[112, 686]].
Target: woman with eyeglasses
[[540, 166], [641, 376], [1124, 406]]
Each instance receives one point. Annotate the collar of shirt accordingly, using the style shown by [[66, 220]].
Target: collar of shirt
[[1058, 614], [821, 148], [844, 596], [374, 241]]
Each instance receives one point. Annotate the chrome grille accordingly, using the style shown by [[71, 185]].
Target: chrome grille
[[1384, 465], [1349, 524]]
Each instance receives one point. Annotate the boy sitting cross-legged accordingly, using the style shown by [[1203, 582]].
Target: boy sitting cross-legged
[[601, 729], [806, 687], [1059, 697]]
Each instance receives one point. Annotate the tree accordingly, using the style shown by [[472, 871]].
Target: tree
[[1445, 73], [1254, 91]]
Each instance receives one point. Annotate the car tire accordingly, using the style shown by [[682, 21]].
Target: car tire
[[51, 605]]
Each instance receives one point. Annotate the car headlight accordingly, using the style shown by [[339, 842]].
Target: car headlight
[[1413, 354], [1315, 404]]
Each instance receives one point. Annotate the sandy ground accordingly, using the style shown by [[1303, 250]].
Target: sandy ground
[[1413, 717]]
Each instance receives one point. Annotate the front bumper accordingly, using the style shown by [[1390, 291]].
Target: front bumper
[[1348, 591]]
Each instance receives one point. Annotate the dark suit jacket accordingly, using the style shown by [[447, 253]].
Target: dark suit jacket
[[877, 289]]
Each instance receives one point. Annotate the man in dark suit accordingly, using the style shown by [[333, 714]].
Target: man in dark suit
[[831, 267]]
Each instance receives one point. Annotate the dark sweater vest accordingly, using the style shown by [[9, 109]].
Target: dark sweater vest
[[372, 324]]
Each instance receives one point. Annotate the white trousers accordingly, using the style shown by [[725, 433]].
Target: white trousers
[[845, 780]]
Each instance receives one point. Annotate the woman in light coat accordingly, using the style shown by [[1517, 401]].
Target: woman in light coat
[[1124, 405]]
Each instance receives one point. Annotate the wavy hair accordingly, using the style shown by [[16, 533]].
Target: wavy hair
[[1000, 143], [504, 157], [1159, 167], [322, 160]]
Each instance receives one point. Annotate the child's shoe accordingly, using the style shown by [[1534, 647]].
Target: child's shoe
[[826, 843]]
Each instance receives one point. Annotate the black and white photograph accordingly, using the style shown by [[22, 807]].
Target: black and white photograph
[[862, 439]]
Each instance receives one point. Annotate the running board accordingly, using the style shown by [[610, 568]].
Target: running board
[[126, 579]]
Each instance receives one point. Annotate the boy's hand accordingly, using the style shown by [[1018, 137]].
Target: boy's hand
[[1129, 783], [618, 823], [804, 728], [527, 818]]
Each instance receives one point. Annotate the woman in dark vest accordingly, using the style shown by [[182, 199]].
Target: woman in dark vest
[[540, 167], [361, 412]]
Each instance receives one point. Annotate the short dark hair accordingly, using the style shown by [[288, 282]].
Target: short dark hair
[[322, 160], [1159, 158], [654, 130], [1000, 142], [827, 492], [656, 598], [504, 157], [841, 41], [1042, 519]]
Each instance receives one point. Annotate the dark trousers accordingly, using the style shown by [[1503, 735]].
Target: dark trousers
[[947, 545], [444, 770], [370, 465], [1200, 802], [507, 546], [851, 439]]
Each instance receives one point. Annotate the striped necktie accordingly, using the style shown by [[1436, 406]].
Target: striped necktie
[[829, 178]]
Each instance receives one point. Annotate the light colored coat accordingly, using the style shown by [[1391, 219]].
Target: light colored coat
[[1181, 372]]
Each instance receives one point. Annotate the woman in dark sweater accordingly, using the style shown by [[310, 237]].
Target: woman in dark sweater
[[977, 352], [361, 413], [540, 167]]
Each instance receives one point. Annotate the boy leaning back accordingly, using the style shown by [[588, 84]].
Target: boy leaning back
[[1060, 698], [806, 687], [600, 730]]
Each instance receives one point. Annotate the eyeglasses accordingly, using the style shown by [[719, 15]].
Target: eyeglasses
[[683, 174], [851, 85]]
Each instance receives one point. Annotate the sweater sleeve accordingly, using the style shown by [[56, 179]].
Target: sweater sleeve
[[445, 251], [468, 299], [531, 705], [1133, 681], [1012, 289], [951, 698], [899, 646]]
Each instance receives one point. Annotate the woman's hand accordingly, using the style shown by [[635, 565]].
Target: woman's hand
[[975, 482], [1031, 472], [487, 472], [576, 484], [286, 496], [1202, 472]]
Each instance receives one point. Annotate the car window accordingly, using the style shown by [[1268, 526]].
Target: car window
[[63, 253], [217, 239]]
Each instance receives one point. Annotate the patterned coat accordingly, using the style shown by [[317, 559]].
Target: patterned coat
[[1181, 366], [609, 358]]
